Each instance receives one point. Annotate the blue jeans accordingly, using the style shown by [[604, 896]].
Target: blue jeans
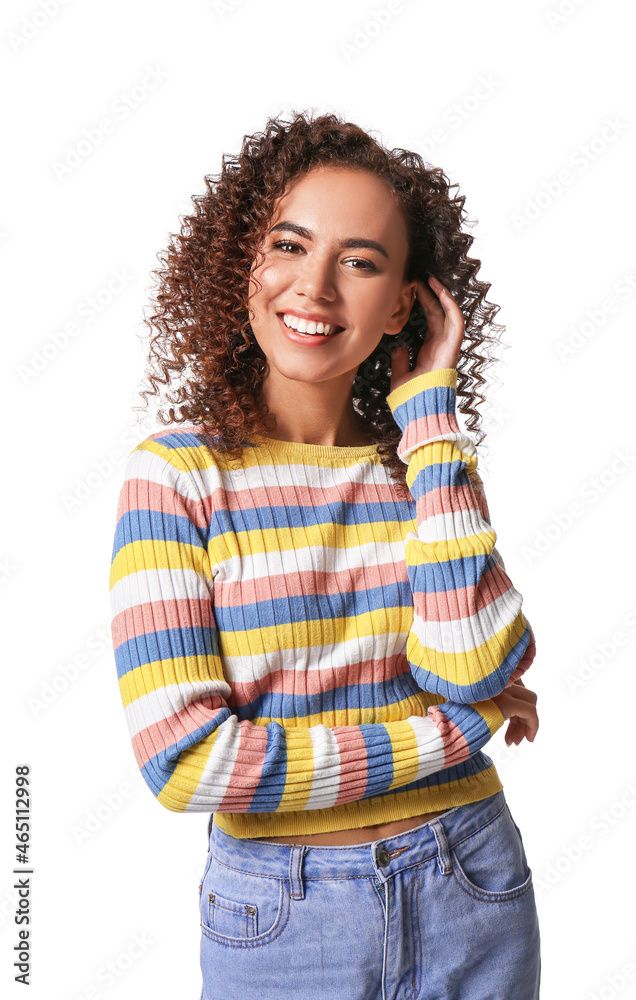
[[445, 911]]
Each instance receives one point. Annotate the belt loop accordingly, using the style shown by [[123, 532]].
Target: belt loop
[[443, 855], [210, 824], [296, 856]]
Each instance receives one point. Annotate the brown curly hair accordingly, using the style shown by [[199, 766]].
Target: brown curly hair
[[200, 320]]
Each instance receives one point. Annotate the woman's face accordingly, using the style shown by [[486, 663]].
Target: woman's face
[[335, 252]]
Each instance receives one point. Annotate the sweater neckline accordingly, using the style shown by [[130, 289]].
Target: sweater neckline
[[300, 449]]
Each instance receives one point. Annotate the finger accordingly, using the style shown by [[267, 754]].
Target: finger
[[521, 692], [514, 733], [435, 315], [427, 297], [447, 302], [520, 706]]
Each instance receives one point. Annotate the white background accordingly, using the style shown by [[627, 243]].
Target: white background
[[535, 90]]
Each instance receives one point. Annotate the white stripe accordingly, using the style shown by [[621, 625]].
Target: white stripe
[[359, 649], [430, 746], [469, 633], [287, 473], [327, 768], [451, 525], [148, 465], [217, 773], [170, 584], [254, 566], [464, 443], [157, 706]]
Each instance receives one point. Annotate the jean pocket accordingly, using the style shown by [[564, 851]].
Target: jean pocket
[[491, 864], [242, 909]]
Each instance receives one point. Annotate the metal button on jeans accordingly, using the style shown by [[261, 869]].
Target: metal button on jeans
[[383, 857]]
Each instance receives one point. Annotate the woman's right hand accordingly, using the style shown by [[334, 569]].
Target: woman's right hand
[[517, 703]]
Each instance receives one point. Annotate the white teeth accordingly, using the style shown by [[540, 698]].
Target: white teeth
[[310, 328]]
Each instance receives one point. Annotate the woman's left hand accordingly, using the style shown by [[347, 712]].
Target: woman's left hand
[[443, 337]]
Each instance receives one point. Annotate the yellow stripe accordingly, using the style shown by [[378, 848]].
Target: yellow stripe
[[437, 453], [300, 764], [156, 675], [364, 812], [459, 668], [399, 711], [491, 715], [416, 551], [257, 540], [403, 742], [415, 385], [157, 554], [186, 777], [312, 633]]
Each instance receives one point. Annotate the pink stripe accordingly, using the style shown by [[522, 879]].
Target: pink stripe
[[323, 680], [167, 732], [235, 593], [353, 751], [141, 494], [420, 430], [248, 768], [444, 499], [456, 748], [463, 602], [157, 616], [303, 496]]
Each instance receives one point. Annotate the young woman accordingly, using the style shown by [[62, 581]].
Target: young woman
[[314, 633]]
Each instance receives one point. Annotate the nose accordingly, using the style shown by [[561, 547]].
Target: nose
[[315, 279]]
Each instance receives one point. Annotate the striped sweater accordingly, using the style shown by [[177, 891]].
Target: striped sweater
[[301, 650]]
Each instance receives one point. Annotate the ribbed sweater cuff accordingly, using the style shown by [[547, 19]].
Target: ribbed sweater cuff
[[424, 409]]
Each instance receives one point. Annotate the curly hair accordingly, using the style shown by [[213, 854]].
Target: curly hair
[[200, 317]]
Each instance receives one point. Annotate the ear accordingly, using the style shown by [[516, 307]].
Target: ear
[[402, 310]]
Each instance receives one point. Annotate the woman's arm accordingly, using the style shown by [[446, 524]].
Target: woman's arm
[[469, 638], [193, 751]]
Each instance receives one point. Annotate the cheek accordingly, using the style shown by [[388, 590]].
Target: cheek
[[260, 292], [270, 276]]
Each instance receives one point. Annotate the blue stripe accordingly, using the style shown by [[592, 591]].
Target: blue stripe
[[173, 439], [440, 474], [435, 400], [347, 697], [165, 644], [158, 770], [452, 574], [271, 785], [472, 725], [152, 525], [476, 764], [311, 607], [140, 524], [380, 759], [309, 516]]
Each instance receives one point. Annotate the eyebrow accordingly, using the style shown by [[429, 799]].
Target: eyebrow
[[353, 243]]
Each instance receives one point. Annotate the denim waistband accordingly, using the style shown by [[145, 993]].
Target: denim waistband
[[372, 859]]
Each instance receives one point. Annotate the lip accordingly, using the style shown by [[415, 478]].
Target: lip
[[310, 317], [298, 338]]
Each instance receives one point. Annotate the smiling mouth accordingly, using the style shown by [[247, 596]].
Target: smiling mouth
[[309, 328]]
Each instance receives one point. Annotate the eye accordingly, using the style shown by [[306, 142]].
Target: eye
[[367, 265], [280, 244]]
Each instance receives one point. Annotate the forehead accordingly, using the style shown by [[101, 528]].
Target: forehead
[[344, 201]]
